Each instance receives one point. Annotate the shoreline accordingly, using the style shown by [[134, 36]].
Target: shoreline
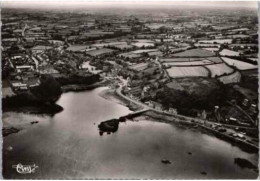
[[110, 94], [10, 127], [82, 87], [154, 116], [20, 122]]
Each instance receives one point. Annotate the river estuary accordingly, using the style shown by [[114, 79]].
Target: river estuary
[[69, 146]]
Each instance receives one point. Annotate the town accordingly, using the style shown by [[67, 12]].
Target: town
[[200, 65]]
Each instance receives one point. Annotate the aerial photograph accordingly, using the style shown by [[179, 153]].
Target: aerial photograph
[[146, 89]]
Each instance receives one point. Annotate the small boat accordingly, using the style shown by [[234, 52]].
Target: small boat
[[165, 161]]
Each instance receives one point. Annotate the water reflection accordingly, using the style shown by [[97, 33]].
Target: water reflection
[[69, 146]]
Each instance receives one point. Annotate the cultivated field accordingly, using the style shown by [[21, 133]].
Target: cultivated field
[[215, 59], [239, 64], [220, 41], [232, 78], [212, 59], [140, 44], [207, 45], [226, 52], [195, 53], [144, 51], [143, 43], [139, 67], [180, 59], [219, 69], [197, 71], [192, 63]]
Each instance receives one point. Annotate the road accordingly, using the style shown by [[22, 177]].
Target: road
[[200, 121], [119, 92]]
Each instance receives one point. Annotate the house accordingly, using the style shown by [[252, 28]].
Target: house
[[24, 68], [155, 105], [172, 110], [135, 91], [204, 115], [253, 108], [19, 86], [245, 102]]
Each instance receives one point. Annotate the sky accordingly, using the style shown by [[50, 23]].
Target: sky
[[121, 3]]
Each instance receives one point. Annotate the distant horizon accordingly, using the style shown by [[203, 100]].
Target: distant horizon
[[80, 4]]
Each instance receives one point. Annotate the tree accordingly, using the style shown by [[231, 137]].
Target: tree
[[49, 89]]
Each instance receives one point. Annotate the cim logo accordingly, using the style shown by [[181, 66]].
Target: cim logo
[[25, 169]]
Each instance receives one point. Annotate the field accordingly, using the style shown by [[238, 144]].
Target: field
[[144, 51], [143, 43], [215, 59], [239, 64], [207, 45], [211, 49], [220, 41], [139, 67], [192, 63], [219, 69], [200, 86], [195, 53], [232, 78], [226, 52], [99, 45], [197, 71], [180, 59], [140, 45], [99, 52], [130, 55], [238, 36]]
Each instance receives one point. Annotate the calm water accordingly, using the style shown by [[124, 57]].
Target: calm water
[[68, 145]]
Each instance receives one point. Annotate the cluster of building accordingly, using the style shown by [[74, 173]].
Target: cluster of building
[[148, 51]]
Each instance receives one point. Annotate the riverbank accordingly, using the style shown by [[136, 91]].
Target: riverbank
[[14, 122], [29, 104], [137, 144], [110, 94], [82, 87], [22, 108], [192, 123]]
